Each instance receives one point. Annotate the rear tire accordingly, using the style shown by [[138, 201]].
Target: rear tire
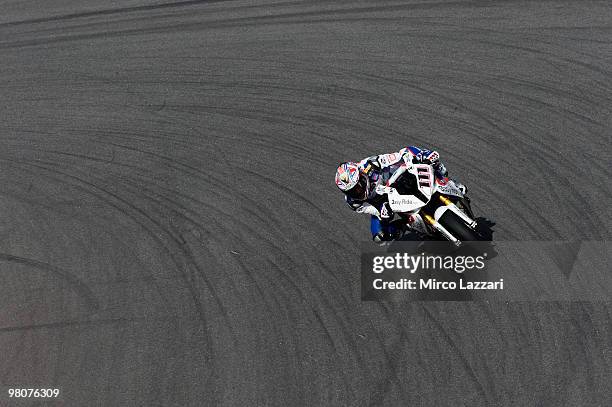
[[455, 225]]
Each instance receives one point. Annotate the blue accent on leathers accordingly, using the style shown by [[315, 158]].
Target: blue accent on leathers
[[377, 226]]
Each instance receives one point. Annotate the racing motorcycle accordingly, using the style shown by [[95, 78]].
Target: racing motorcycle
[[433, 206]]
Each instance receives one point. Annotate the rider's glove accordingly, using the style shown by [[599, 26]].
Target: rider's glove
[[370, 165]]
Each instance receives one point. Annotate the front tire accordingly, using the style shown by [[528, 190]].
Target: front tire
[[455, 225]]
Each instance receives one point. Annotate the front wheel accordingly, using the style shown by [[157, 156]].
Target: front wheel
[[455, 225]]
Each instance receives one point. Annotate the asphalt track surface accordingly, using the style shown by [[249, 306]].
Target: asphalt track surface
[[171, 232]]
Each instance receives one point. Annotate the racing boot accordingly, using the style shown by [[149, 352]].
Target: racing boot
[[384, 237], [441, 172], [461, 187]]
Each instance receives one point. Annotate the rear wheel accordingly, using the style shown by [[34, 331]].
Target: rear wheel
[[455, 225]]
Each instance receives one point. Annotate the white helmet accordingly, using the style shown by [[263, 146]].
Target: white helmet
[[351, 181]]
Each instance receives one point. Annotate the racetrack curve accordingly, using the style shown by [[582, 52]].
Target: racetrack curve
[[171, 231]]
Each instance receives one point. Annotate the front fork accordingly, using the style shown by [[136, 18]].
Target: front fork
[[437, 226], [448, 205], [452, 207]]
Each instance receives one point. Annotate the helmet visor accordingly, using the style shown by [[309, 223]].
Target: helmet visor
[[360, 190]]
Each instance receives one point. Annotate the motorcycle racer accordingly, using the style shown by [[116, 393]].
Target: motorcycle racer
[[358, 181]]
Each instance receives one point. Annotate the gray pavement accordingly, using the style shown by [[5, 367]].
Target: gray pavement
[[171, 231]]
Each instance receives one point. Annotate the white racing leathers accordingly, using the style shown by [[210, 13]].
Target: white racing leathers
[[379, 169]]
